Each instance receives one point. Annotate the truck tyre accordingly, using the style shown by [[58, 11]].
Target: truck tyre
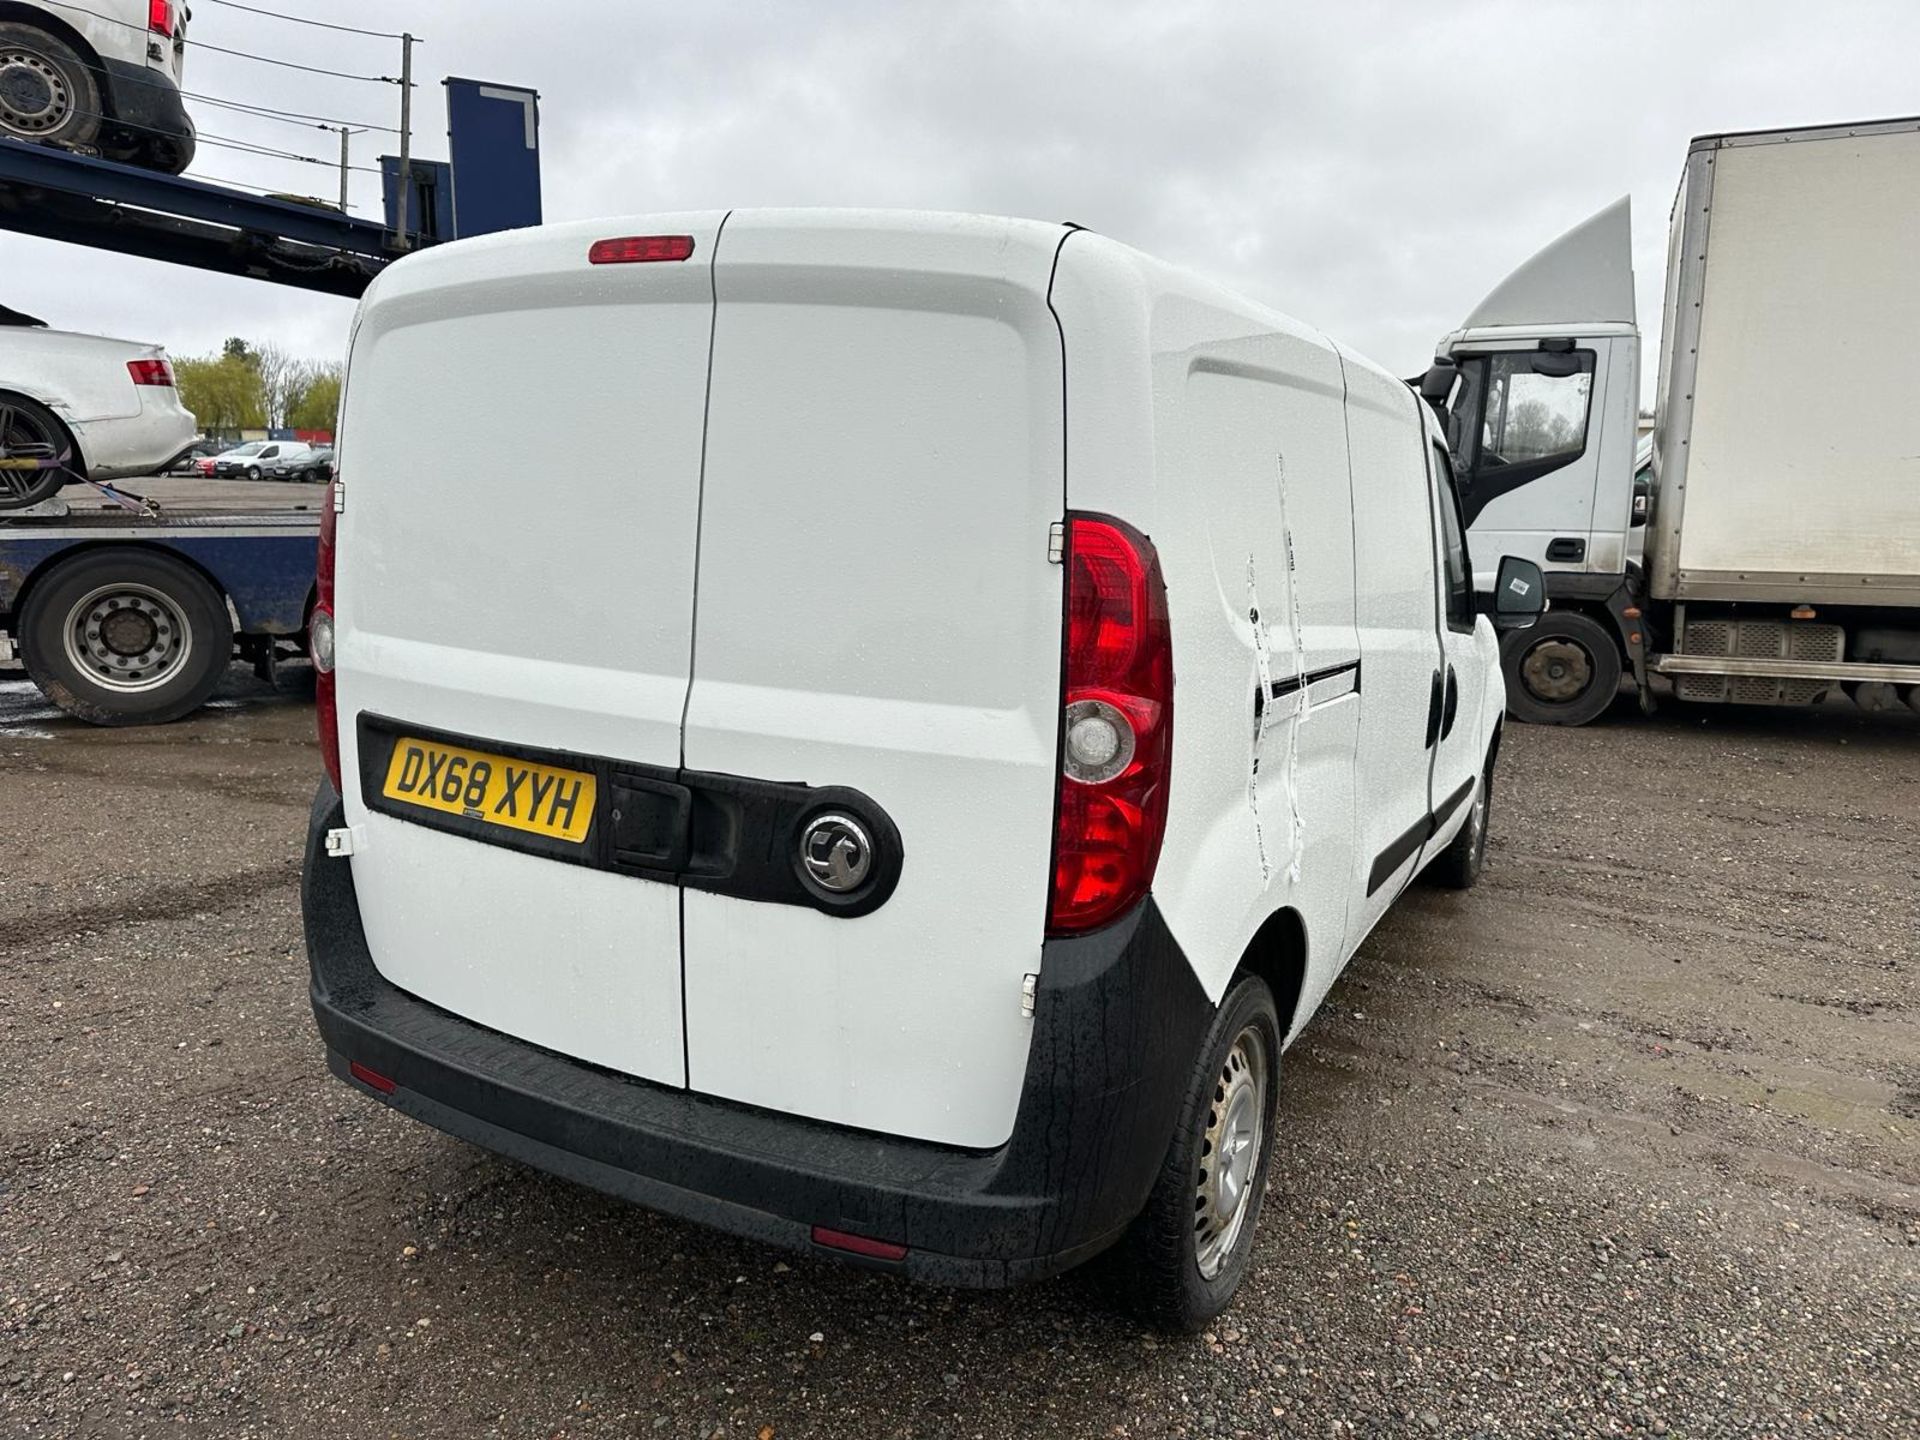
[[1185, 1254], [1564, 670], [48, 92], [1458, 866], [126, 637], [29, 432]]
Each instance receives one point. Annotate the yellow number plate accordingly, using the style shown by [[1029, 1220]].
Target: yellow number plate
[[519, 794]]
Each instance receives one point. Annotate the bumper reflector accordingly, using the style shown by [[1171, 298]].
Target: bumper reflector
[[858, 1244], [370, 1077]]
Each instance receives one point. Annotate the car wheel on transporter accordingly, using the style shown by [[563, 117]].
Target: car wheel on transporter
[[1185, 1254], [29, 433], [118, 637], [48, 92], [1458, 866], [1562, 670]]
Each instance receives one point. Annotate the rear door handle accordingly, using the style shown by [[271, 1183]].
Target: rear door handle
[[1451, 705], [1567, 547], [1436, 708]]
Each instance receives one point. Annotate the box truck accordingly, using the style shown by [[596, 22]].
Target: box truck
[[1779, 557]]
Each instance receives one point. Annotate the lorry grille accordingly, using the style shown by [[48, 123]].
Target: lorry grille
[[1758, 640]]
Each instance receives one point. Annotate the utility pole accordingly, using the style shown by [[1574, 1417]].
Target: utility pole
[[345, 137], [406, 141]]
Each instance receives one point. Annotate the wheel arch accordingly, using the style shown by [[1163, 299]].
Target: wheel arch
[[37, 18], [8, 392], [1277, 954], [53, 564]]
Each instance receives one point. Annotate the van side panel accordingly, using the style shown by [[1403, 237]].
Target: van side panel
[[877, 610], [1217, 428], [1397, 583], [520, 454]]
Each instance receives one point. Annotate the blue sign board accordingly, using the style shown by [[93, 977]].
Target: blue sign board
[[493, 135]]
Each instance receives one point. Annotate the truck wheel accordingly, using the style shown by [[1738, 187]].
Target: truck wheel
[[28, 432], [1458, 866], [1186, 1253], [1565, 670], [47, 92], [124, 637]]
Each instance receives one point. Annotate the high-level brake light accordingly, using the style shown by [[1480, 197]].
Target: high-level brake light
[[640, 249]]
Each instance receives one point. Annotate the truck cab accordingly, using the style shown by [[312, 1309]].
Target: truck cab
[[1539, 395]]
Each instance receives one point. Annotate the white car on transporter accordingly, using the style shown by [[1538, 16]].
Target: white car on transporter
[[1037, 670], [82, 406], [102, 76]]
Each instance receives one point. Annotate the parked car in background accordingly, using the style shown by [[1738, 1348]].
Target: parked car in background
[[82, 406], [102, 77], [260, 460], [196, 455], [316, 464]]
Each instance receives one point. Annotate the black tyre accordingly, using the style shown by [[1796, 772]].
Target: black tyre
[[253, 472], [1458, 866], [29, 432], [48, 92], [1186, 1253], [122, 637], [1564, 670]]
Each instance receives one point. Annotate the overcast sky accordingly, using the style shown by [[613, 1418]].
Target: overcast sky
[[1371, 168]]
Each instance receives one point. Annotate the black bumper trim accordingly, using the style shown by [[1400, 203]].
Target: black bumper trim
[[148, 103], [1119, 1017]]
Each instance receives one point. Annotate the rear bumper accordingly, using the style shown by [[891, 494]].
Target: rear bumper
[[1118, 1019], [148, 104]]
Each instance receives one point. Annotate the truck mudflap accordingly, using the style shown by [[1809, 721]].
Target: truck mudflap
[[1118, 1017]]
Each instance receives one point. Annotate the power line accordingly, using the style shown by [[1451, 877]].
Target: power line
[[239, 54], [302, 20], [268, 112]]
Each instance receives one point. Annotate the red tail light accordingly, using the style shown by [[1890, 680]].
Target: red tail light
[[1116, 738], [320, 640], [160, 16], [639, 249], [151, 372]]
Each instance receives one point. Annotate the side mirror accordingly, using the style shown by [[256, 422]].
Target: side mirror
[[1519, 596]]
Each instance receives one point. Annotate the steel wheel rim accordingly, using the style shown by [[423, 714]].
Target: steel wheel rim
[[20, 72], [128, 638], [1230, 1150], [1557, 670]]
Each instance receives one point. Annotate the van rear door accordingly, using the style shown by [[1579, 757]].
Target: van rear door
[[520, 460], [877, 611]]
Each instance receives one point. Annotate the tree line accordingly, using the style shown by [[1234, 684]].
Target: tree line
[[258, 387]]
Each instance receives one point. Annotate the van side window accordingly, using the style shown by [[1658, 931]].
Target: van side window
[[1453, 540]]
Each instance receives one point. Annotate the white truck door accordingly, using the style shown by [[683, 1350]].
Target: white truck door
[[521, 464], [878, 612]]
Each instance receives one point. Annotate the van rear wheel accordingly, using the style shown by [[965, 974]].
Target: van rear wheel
[[120, 638], [1184, 1256]]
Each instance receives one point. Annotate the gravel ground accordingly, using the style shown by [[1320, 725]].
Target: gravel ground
[[1627, 1141]]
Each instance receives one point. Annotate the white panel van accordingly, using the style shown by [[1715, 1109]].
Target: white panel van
[[977, 689]]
